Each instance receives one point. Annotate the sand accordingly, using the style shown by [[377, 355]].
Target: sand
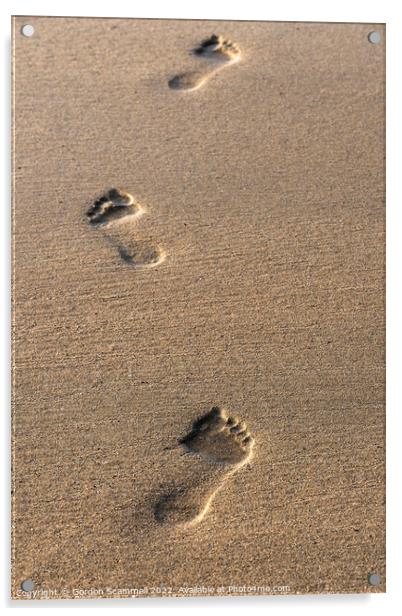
[[198, 231]]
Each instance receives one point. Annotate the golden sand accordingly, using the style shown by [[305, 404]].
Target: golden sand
[[192, 231]]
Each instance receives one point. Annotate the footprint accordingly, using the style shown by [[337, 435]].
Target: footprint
[[218, 51], [141, 254], [111, 206], [109, 211], [218, 445]]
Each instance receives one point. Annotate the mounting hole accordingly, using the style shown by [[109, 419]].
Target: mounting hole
[[374, 37], [373, 579], [27, 30], [28, 585]]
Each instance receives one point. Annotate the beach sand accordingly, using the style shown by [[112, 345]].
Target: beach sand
[[238, 266]]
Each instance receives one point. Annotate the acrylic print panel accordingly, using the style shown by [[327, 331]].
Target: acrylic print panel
[[198, 308]]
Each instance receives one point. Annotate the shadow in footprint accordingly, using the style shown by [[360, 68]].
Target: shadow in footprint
[[218, 445], [111, 206], [141, 254], [218, 51], [108, 213]]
